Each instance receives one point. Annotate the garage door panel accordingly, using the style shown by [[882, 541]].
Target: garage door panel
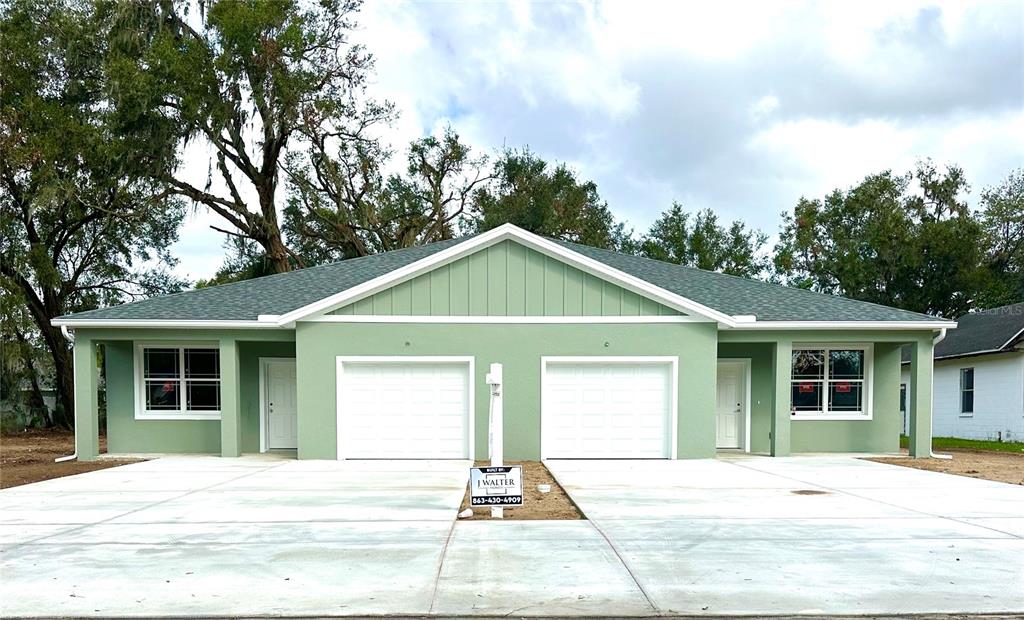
[[403, 409], [607, 409]]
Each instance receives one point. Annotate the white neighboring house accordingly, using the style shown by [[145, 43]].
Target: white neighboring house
[[979, 378]]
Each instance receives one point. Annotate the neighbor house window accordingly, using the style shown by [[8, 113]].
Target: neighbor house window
[[180, 381], [830, 382], [966, 390], [903, 409]]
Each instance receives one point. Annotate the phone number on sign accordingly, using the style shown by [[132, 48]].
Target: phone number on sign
[[512, 500]]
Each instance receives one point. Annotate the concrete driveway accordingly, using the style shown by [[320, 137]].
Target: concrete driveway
[[210, 536], [806, 535], [271, 537]]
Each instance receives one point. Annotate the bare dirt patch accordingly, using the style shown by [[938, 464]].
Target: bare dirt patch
[[998, 466], [537, 506], [28, 457]]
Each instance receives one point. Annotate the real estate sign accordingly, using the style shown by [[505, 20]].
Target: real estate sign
[[496, 486]]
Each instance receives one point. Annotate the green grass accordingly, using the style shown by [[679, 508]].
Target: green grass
[[954, 443]]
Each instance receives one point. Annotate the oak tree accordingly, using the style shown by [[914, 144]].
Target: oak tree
[[247, 78], [82, 224]]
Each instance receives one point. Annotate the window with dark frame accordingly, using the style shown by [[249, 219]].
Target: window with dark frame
[[966, 390], [181, 379]]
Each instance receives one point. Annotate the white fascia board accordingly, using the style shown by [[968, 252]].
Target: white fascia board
[[497, 235], [886, 325], [81, 323], [1012, 338], [369, 318]]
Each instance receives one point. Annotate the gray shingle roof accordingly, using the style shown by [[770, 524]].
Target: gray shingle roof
[[987, 331], [283, 293], [277, 294], [734, 295]]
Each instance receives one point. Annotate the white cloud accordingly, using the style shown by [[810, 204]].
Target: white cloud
[[737, 106], [813, 156], [763, 107]]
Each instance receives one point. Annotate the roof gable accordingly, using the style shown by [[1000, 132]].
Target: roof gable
[[528, 239], [280, 300], [505, 279]]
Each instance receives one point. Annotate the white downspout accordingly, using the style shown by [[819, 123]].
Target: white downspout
[[496, 427], [71, 339], [936, 341]]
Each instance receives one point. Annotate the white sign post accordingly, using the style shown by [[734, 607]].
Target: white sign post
[[496, 436]]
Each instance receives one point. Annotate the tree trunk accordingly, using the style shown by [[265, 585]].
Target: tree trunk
[[277, 253], [36, 402], [63, 377], [268, 234], [43, 309]]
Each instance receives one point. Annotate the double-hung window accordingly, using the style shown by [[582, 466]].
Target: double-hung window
[[831, 382], [967, 392], [177, 382]]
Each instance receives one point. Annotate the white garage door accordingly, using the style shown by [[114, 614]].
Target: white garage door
[[407, 409], [601, 409]]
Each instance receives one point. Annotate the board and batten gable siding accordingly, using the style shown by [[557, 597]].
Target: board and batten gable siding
[[998, 397], [506, 279]]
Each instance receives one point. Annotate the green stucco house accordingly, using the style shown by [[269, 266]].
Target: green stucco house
[[605, 355]]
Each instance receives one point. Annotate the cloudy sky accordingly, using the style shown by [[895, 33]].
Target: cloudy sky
[[740, 107]]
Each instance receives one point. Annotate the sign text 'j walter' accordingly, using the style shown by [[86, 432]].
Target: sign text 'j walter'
[[496, 486]]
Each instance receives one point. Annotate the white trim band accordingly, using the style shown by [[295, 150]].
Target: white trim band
[[358, 318], [888, 325], [145, 323], [343, 318]]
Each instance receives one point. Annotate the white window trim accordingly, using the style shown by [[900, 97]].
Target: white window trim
[[341, 413], [867, 412], [141, 413], [669, 360], [960, 394]]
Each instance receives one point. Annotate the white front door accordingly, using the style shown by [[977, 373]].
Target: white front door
[[731, 409], [607, 409], [404, 408], [282, 412]]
